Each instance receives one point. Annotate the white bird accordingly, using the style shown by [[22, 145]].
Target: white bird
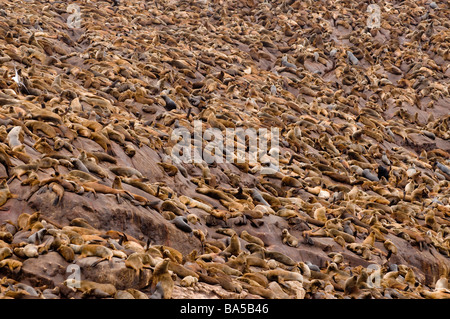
[[18, 80], [354, 60], [273, 90], [410, 172], [16, 77]]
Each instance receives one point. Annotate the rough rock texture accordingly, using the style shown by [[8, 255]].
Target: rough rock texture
[[348, 100]]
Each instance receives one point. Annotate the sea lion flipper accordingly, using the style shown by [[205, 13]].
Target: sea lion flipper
[[119, 199], [98, 261]]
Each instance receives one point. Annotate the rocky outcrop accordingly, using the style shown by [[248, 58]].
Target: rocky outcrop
[[95, 205]]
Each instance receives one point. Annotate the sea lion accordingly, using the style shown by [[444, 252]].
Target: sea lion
[[102, 157], [5, 160], [59, 191], [390, 247], [13, 138], [67, 253], [126, 171], [280, 257], [170, 104], [251, 238], [43, 127], [12, 264], [5, 193], [5, 252], [188, 281], [162, 277], [138, 262], [91, 288], [103, 141], [96, 250], [181, 222], [288, 239], [96, 187], [234, 248], [23, 169]]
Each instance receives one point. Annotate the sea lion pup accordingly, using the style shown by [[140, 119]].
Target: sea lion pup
[[129, 150], [137, 294], [193, 218], [5, 252], [122, 294], [251, 239], [62, 143], [5, 193], [188, 281], [162, 277], [288, 239], [91, 288], [12, 264], [126, 171], [320, 214], [95, 250]]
